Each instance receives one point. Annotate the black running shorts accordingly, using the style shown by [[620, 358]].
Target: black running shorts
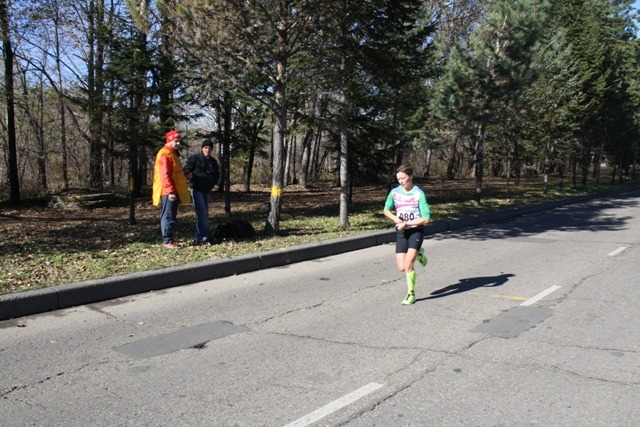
[[409, 238]]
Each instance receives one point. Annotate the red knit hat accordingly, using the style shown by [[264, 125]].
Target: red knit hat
[[172, 135]]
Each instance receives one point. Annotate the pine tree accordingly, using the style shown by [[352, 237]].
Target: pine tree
[[481, 92]]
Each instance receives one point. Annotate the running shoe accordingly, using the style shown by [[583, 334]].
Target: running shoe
[[410, 299], [422, 258]]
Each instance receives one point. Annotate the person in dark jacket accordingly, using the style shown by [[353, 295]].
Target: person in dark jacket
[[203, 174]]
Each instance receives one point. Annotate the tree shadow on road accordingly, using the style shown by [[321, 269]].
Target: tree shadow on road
[[586, 217], [469, 284]]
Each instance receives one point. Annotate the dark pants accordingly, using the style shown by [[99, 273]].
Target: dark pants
[[168, 214], [201, 205]]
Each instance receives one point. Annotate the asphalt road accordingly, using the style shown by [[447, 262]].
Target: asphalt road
[[529, 322]]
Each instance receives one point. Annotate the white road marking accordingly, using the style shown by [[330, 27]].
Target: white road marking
[[335, 405], [541, 295], [617, 251]]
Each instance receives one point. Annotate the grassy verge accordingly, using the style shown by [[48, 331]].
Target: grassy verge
[[42, 247]]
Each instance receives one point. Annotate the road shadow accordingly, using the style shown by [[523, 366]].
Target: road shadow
[[588, 216], [469, 284]]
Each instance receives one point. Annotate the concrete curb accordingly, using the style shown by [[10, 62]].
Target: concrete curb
[[91, 291]]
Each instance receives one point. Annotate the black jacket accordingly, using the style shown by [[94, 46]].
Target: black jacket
[[205, 172]]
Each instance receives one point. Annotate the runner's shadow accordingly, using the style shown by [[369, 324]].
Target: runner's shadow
[[469, 284]]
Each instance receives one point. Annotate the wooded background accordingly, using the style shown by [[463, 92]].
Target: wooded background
[[300, 91]]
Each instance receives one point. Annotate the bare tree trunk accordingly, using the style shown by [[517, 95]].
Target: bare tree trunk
[[219, 113], [614, 172], [13, 177], [61, 101], [36, 123], [427, 163], [585, 161], [167, 70], [451, 164], [479, 164], [508, 184], [110, 162], [132, 155], [42, 146], [597, 170], [634, 165], [272, 227], [136, 125], [293, 160], [290, 144], [226, 155], [517, 163], [344, 174], [306, 155], [399, 156], [546, 175], [255, 143], [316, 159], [248, 169], [95, 93]]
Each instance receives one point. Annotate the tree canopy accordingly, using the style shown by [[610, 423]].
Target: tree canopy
[[296, 91]]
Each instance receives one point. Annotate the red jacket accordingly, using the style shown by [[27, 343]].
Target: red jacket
[[168, 176]]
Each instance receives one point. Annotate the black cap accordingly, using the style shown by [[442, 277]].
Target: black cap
[[207, 143]]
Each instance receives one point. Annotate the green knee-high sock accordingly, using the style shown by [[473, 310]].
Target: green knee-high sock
[[411, 280]]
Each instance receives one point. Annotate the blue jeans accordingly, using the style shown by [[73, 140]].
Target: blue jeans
[[168, 214], [201, 204]]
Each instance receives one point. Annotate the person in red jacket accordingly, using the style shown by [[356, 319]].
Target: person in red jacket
[[170, 187]]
